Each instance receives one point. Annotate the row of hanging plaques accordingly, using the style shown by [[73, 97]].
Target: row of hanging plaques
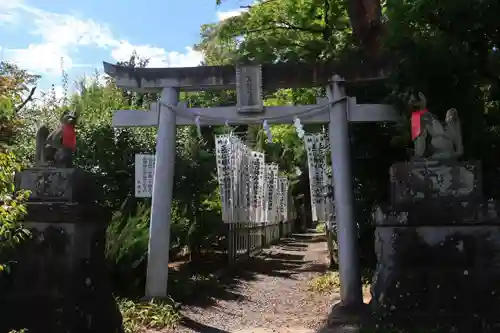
[[251, 190]]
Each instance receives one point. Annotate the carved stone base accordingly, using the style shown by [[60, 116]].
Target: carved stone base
[[58, 184], [425, 182], [438, 274]]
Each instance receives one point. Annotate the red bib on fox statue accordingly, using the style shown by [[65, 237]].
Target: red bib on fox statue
[[69, 137], [416, 124]]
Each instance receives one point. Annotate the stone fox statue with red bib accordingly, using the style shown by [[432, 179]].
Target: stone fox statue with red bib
[[432, 139], [56, 148]]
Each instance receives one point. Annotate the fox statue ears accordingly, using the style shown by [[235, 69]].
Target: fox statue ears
[[416, 116], [420, 103], [69, 115], [452, 116], [423, 100]]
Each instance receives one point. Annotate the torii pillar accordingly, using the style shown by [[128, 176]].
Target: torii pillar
[[347, 231], [161, 206]]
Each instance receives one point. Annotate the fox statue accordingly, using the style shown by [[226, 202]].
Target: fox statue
[[432, 139], [56, 148]]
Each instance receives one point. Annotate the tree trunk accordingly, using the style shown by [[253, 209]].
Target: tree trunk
[[366, 21]]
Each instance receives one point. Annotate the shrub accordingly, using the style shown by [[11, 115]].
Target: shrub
[[11, 209], [325, 283], [126, 249], [321, 227], [141, 316]]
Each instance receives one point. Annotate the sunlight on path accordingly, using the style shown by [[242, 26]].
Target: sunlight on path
[[272, 294]]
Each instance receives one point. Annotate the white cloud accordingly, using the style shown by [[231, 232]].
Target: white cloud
[[59, 34], [157, 56], [62, 34], [224, 15], [8, 14], [66, 30], [41, 58]]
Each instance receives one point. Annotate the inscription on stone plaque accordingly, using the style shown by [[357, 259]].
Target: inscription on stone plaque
[[144, 175], [249, 88]]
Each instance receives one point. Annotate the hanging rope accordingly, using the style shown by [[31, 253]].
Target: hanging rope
[[184, 112]]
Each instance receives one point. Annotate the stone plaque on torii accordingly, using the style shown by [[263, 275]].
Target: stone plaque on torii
[[249, 81]]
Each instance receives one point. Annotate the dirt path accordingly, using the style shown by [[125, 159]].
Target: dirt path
[[269, 294]]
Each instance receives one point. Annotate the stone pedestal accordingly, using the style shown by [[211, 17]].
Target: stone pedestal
[[438, 248], [59, 281]]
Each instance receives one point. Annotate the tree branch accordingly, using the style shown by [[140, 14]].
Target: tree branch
[[259, 4], [285, 27], [295, 27], [23, 104]]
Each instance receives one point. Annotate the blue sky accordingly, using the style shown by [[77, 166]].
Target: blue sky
[[35, 34]]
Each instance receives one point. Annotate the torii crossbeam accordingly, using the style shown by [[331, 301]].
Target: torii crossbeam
[[337, 110]]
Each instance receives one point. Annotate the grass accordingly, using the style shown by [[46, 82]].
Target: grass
[[320, 228], [330, 281], [325, 282], [140, 316]]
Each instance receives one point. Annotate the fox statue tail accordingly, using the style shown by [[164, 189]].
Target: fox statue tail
[[41, 138]]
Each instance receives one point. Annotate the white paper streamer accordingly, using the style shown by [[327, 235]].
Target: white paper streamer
[[320, 184], [222, 151], [270, 189], [268, 131], [257, 186], [298, 127], [282, 198], [198, 125]]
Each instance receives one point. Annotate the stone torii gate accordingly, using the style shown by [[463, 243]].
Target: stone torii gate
[[249, 81]]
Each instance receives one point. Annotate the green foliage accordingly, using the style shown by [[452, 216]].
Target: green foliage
[[330, 281], [321, 227], [13, 83], [325, 283], [126, 248], [284, 31], [11, 209], [139, 317]]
